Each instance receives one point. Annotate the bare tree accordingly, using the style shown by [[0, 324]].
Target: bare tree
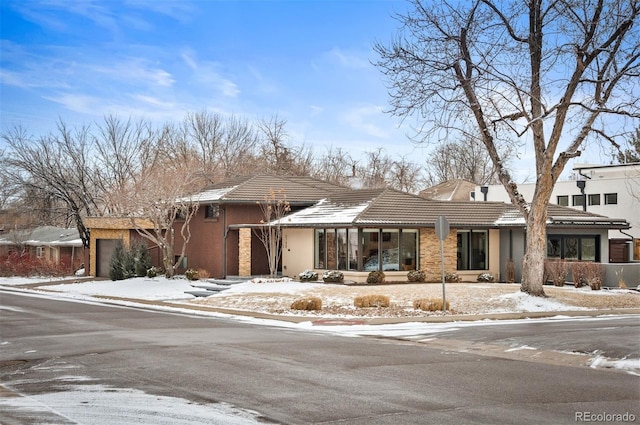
[[274, 207], [160, 195], [630, 154], [54, 168], [375, 170], [406, 176], [279, 156], [468, 160], [335, 166], [551, 73], [121, 150]]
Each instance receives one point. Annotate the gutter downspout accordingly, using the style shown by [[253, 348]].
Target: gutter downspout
[[224, 242]]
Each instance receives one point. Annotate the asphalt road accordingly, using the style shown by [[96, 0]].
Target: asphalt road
[[298, 376]]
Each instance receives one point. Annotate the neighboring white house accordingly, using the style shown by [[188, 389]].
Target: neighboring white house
[[608, 190]]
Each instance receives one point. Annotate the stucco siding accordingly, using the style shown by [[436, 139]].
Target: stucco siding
[[297, 251]]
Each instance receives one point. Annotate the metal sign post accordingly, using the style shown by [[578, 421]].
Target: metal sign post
[[442, 231]]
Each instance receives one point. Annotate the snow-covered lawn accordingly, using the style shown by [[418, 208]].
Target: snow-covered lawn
[[275, 296]]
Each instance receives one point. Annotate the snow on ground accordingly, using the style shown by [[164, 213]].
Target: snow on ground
[[144, 288], [93, 404]]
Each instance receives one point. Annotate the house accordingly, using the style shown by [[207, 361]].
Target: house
[[450, 190], [58, 245], [385, 229], [220, 229], [609, 190], [357, 231]]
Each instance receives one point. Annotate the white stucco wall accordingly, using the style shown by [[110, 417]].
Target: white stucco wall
[[625, 181]]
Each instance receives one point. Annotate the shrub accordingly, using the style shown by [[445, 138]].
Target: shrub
[[311, 303], [142, 259], [191, 274], [203, 274], [511, 271], [452, 277], [116, 262], [594, 274], [416, 276], [371, 301], [485, 277], [579, 274], [22, 264], [375, 276], [429, 304], [308, 276], [154, 271], [333, 276], [556, 271]]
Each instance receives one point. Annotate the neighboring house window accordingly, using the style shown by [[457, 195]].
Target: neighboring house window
[[40, 251], [610, 198], [472, 249], [212, 211], [563, 200], [375, 249], [578, 200], [594, 199], [574, 247]]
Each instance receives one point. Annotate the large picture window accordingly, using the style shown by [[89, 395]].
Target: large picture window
[[472, 249], [574, 247], [366, 249]]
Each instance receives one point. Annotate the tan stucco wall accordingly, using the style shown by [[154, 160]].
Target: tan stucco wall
[[297, 251]]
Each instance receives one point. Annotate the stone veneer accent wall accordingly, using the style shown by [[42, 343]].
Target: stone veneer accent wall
[[244, 259], [430, 253]]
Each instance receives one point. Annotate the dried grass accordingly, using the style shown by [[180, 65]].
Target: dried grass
[[429, 304], [372, 301], [309, 304]]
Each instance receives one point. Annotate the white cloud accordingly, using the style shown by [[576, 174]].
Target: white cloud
[[206, 73], [345, 59], [365, 118]]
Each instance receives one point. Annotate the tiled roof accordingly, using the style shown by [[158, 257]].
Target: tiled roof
[[451, 190], [43, 236], [389, 207], [297, 189]]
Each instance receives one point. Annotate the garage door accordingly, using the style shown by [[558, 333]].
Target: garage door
[[104, 249]]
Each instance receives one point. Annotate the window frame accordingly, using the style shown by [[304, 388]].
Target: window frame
[[373, 249], [609, 197]]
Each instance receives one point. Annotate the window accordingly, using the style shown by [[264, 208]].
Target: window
[[366, 249], [610, 198], [40, 251], [320, 249], [472, 249], [574, 247], [212, 211], [578, 200], [563, 200], [594, 199]]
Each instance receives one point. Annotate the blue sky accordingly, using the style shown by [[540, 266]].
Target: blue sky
[[309, 62]]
